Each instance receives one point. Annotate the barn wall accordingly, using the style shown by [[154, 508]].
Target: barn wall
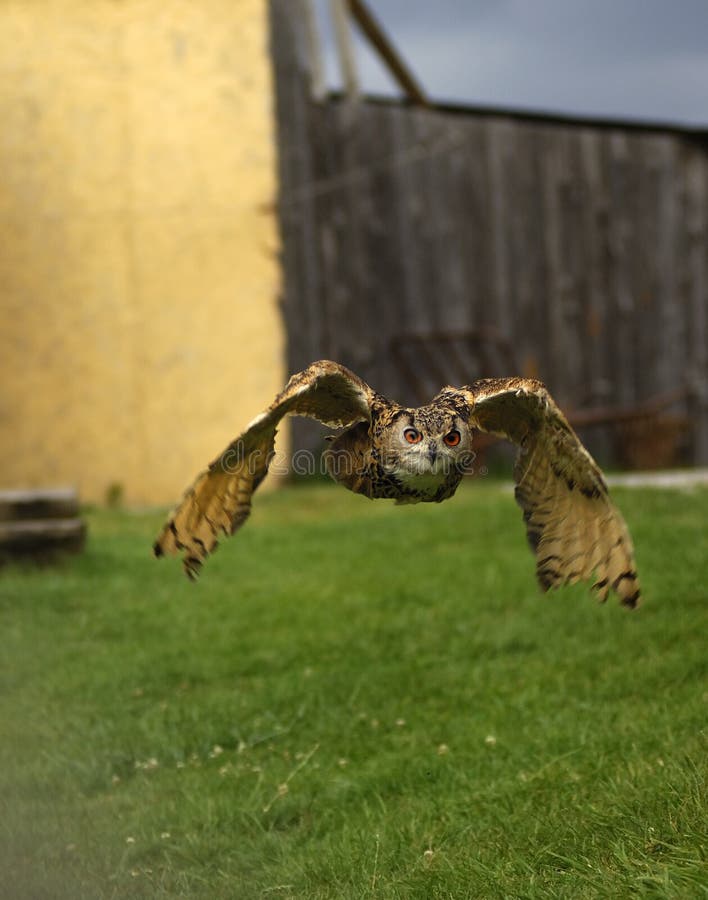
[[586, 244]]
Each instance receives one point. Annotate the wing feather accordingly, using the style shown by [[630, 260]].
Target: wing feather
[[573, 527], [219, 500]]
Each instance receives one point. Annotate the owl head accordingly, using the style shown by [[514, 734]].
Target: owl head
[[427, 441]]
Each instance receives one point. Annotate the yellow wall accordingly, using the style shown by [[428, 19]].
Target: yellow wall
[[138, 270]]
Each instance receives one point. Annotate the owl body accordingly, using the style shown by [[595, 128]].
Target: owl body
[[410, 455], [388, 451]]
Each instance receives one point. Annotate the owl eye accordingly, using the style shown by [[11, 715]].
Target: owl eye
[[452, 438], [412, 435]]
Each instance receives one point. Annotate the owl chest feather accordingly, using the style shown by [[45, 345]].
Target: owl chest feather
[[419, 487]]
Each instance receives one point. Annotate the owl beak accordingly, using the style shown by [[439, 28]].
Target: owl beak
[[432, 453]]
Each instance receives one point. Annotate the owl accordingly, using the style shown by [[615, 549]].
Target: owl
[[412, 455]]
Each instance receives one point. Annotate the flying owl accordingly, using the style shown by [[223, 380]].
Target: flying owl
[[411, 455]]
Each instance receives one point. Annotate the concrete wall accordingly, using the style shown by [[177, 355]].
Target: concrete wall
[[138, 267]]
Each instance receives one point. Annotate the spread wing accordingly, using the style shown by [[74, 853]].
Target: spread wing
[[573, 526], [219, 501]]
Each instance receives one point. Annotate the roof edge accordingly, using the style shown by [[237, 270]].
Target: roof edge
[[699, 133]]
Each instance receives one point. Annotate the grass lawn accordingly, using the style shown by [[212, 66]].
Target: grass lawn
[[356, 700]]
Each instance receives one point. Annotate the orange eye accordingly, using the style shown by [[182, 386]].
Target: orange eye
[[412, 435], [452, 438]]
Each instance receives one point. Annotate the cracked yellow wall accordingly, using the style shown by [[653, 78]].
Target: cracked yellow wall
[[138, 247]]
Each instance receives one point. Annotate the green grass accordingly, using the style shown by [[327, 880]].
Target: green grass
[[356, 701]]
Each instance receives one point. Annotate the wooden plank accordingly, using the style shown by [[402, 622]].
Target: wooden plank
[[329, 211], [295, 181], [623, 286], [385, 255], [41, 539], [696, 174], [437, 266], [318, 87], [300, 300], [553, 351], [593, 235], [499, 155], [418, 314], [574, 266], [644, 205], [534, 262], [597, 389], [45, 503], [382, 43], [345, 48], [355, 277], [447, 209], [473, 200], [670, 299]]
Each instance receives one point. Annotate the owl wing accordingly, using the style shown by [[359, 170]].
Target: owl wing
[[572, 525], [219, 501]]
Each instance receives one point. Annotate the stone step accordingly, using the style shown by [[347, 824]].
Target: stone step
[[44, 503], [41, 538]]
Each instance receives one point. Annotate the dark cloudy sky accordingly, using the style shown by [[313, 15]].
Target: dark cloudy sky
[[640, 59]]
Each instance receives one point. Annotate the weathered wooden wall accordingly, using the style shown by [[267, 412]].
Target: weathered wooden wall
[[586, 243]]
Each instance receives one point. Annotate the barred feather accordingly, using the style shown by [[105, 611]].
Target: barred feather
[[574, 529], [219, 500]]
